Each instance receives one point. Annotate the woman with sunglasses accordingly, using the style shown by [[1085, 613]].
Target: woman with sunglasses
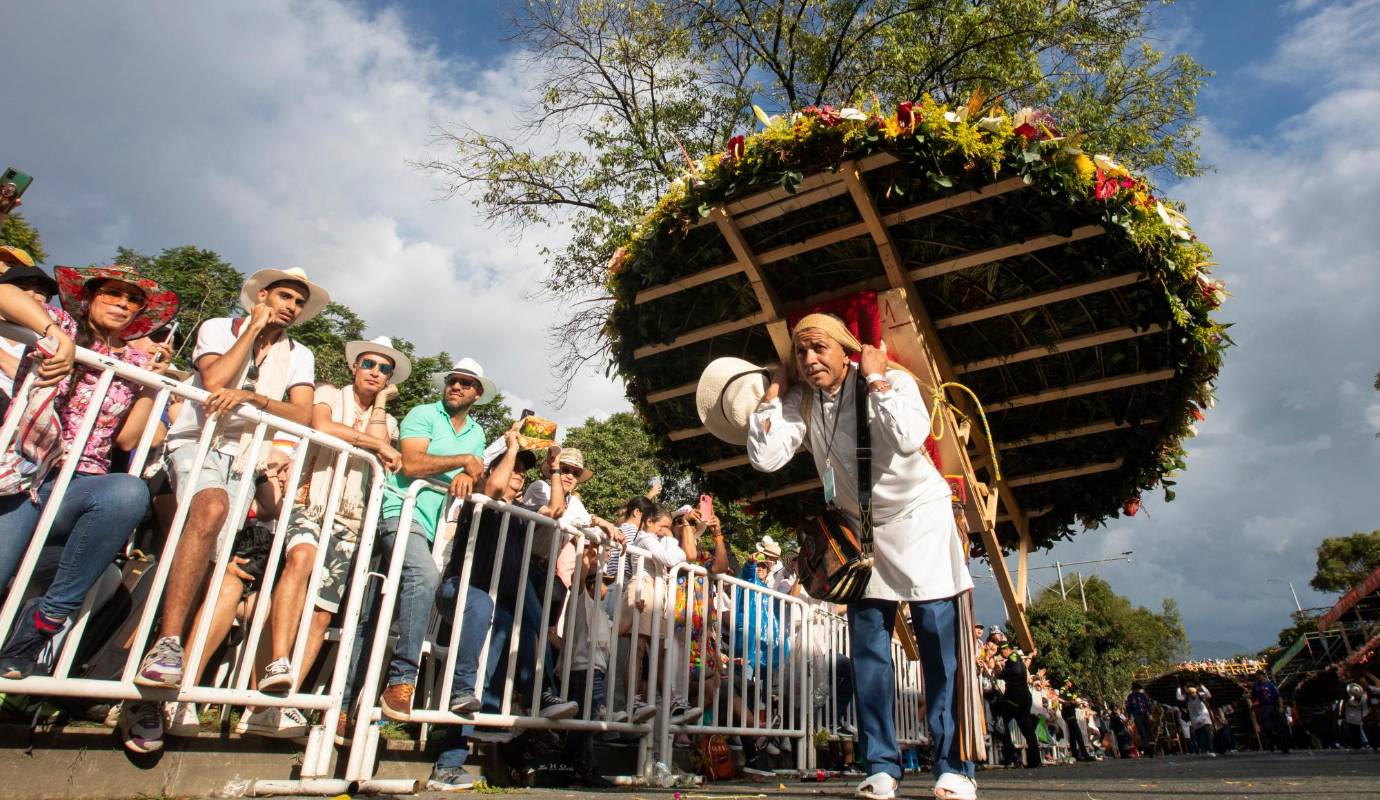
[[102, 309]]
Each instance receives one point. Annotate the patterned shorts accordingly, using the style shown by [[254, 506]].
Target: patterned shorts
[[340, 556]]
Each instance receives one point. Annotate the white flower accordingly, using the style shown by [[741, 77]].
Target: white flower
[[1177, 223], [1192, 431], [1106, 164], [852, 113], [990, 123], [961, 115]]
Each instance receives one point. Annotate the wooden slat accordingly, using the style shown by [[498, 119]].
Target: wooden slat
[[689, 281], [834, 186], [794, 488], [778, 194], [686, 433], [1006, 251], [814, 243], [1064, 474], [951, 202], [701, 334], [1061, 346], [1090, 429], [1080, 389], [672, 393], [725, 463], [1037, 300], [747, 219]]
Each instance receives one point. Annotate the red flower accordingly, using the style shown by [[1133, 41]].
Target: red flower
[[905, 114], [1026, 131], [1198, 414], [736, 148], [1132, 506], [826, 114]]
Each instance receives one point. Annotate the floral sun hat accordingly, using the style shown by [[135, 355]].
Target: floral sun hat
[[159, 307]]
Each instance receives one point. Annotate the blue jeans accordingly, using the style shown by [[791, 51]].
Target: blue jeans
[[935, 623], [96, 517], [479, 611], [416, 596]]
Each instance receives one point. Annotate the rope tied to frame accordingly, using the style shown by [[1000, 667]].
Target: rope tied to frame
[[939, 401]]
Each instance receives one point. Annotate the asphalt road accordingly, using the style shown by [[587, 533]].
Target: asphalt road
[[1302, 774]]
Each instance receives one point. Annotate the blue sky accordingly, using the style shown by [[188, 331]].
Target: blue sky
[[280, 133]]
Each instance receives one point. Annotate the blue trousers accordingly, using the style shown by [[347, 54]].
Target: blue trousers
[[479, 612], [936, 632], [416, 597], [96, 517]]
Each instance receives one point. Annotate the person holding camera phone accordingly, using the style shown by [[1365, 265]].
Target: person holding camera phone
[[918, 557], [102, 308]]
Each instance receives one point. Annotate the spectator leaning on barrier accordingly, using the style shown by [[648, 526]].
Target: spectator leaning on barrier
[[37, 284], [356, 414], [102, 308], [918, 556], [244, 361], [442, 442]]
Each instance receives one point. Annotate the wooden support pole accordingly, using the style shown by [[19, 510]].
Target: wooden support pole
[[937, 268], [1022, 569], [1064, 474], [701, 334], [1090, 429], [1080, 389], [766, 296]]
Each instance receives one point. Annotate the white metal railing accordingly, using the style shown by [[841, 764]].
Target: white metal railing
[[325, 699], [763, 658], [767, 661]]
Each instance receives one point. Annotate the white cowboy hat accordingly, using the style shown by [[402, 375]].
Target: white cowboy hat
[[317, 297], [470, 367], [402, 365], [728, 392], [769, 547]]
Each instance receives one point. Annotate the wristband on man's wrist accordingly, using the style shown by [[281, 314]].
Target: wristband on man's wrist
[[875, 377]]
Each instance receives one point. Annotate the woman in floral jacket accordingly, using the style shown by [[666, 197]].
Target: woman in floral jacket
[[104, 308]]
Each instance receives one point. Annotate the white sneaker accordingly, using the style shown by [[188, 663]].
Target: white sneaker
[[273, 723], [183, 719], [880, 786], [955, 786]]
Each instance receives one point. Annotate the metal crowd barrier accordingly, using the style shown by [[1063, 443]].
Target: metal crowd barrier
[[518, 527], [767, 676], [910, 685], [317, 755]]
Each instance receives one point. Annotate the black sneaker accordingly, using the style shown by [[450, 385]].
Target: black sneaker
[[591, 780], [554, 707], [19, 659], [465, 704]]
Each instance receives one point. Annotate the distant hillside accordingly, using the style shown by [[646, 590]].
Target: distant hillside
[[1215, 649]]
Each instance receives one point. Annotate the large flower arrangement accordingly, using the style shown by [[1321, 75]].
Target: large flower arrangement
[[940, 151]]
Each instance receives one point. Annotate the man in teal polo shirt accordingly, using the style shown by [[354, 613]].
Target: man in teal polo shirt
[[441, 442]]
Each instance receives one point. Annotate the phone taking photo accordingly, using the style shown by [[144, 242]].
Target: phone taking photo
[[13, 183], [706, 509]]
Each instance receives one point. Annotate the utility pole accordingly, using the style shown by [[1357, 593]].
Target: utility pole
[[1060, 569], [1081, 594], [1297, 605]]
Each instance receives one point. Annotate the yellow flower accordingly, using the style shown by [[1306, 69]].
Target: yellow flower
[[1085, 167]]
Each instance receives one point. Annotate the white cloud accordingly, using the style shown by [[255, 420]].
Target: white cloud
[[280, 134]]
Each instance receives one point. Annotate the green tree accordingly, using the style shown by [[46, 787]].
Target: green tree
[[327, 334], [17, 232], [1101, 649], [624, 89], [1344, 561]]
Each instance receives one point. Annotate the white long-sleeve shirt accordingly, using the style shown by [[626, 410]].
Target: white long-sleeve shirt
[[1198, 712], [918, 554]]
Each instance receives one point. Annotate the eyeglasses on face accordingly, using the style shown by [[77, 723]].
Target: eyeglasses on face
[[383, 367], [573, 471], [121, 296], [461, 380]]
